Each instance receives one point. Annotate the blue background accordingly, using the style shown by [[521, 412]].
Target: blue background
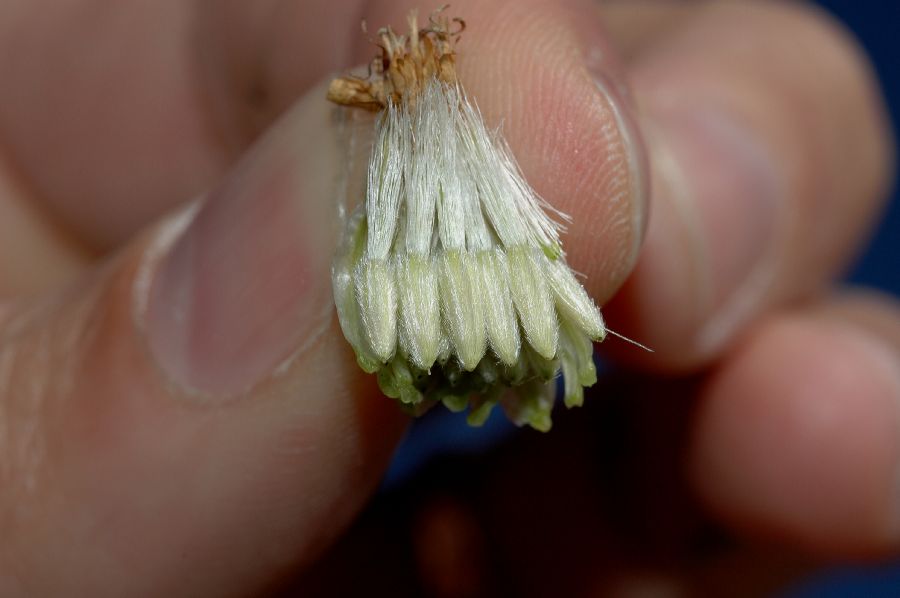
[[877, 25]]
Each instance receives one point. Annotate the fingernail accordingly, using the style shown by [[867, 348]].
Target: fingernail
[[734, 189], [247, 284], [632, 150]]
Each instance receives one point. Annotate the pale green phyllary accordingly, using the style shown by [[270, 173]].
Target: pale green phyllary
[[450, 280]]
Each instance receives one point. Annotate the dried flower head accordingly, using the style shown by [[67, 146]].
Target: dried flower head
[[450, 280]]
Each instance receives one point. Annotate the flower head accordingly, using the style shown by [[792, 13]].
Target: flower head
[[450, 281]]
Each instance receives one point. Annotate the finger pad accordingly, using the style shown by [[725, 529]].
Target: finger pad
[[797, 438]]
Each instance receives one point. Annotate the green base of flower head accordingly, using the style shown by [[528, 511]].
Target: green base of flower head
[[522, 381], [524, 391]]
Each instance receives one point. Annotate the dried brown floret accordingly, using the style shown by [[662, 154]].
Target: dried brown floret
[[406, 64]]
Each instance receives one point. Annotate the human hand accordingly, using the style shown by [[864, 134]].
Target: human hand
[[179, 411]]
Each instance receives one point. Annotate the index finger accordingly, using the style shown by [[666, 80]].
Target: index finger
[[771, 157], [112, 114]]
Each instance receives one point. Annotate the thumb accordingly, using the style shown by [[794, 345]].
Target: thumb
[[190, 418]]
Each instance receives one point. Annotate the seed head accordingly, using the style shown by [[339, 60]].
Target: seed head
[[450, 280]]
